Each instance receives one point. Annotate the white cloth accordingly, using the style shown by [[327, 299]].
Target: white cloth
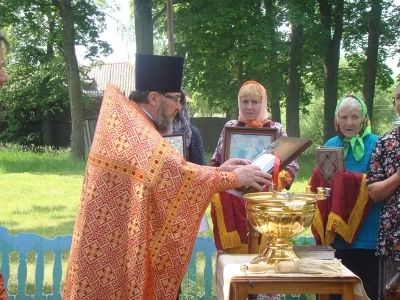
[[204, 224], [228, 266]]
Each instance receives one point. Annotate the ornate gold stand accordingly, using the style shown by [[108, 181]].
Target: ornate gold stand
[[278, 249]]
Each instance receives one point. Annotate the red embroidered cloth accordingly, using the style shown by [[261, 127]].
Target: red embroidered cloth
[[344, 211], [3, 294], [140, 210], [229, 217]]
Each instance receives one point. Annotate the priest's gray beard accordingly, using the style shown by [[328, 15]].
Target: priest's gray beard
[[162, 121]]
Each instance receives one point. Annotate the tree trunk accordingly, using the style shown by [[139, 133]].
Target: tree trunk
[[240, 71], [74, 89], [272, 85], [372, 55], [331, 60], [294, 84], [170, 26], [143, 26], [47, 122]]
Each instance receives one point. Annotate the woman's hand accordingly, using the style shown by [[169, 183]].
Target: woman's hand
[[381, 190]]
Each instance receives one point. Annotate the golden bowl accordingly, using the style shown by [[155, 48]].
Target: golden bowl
[[280, 216]]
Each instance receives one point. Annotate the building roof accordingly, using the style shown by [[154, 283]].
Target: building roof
[[122, 74]]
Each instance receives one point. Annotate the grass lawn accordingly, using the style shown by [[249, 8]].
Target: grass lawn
[[41, 190]]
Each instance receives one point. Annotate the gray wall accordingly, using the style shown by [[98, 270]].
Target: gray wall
[[210, 129]]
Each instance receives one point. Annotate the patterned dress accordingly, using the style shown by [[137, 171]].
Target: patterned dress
[[385, 161]]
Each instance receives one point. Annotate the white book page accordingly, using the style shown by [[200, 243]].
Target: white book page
[[265, 162]]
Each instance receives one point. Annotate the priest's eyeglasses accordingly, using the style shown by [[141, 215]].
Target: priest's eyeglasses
[[176, 99]]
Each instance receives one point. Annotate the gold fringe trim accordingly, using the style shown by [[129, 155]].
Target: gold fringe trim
[[319, 225], [242, 249], [347, 231], [228, 239], [329, 237]]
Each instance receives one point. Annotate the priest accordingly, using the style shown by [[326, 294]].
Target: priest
[[141, 202]]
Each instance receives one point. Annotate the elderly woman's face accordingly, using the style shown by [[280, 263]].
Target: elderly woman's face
[[250, 107], [349, 120]]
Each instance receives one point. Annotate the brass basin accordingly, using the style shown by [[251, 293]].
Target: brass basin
[[280, 216]]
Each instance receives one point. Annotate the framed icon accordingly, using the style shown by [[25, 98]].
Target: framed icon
[[246, 142], [177, 142]]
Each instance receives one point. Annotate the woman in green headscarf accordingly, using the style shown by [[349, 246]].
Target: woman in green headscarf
[[351, 218], [353, 130]]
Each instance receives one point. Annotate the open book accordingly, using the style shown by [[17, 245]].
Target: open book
[[286, 149], [265, 161]]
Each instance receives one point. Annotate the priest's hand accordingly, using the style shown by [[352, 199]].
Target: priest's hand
[[233, 163], [251, 175]]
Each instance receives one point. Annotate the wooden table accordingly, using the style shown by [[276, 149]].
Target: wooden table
[[324, 286], [235, 283]]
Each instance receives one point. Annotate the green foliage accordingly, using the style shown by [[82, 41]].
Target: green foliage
[[34, 91], [384, 111], [89, 22], [356, 27], [355, 42], [312, 120], [37, 92], [228, 43]]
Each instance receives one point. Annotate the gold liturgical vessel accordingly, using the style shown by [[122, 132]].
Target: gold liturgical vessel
[[281, 216]]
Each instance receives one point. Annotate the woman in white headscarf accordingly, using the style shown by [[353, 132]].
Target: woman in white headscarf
[[228, 211]]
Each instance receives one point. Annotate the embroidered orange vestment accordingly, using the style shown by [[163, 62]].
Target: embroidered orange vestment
[[140, 209], [3, 294]]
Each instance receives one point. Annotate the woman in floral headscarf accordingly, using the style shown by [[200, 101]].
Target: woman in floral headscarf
[[228, 210], [348, 219]]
